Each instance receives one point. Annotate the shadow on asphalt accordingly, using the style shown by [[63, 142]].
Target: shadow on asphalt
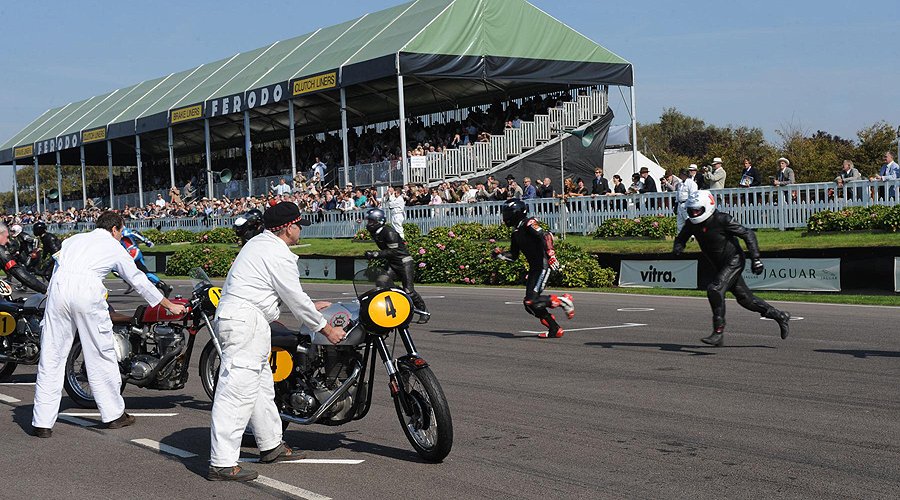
[[681, 348], [154, 400], [337, 441], [198, 465], [22, 417], [481, 333], [862, 353]]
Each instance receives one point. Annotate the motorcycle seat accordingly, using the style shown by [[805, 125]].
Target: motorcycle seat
[[119, 318], [283, 337]]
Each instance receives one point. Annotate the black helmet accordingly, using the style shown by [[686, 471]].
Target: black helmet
[[249, 225], [375, 219], [514, 211], [39, 228]]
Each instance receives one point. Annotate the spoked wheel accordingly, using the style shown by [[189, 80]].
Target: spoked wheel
[[6, 369], [76, 381], [427, 423]]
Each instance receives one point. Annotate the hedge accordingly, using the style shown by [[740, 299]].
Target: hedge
[[642, 227], [877, 217], [216, 261]]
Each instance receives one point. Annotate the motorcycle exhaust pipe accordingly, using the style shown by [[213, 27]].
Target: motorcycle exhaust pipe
[[354, 376], [151, 377]]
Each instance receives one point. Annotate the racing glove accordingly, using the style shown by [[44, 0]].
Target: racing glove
[[757, 267], [371, 254], [500, 254], [552, 260]]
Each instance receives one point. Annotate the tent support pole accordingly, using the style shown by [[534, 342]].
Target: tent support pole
[[210, 189], [59, 181], [344, 136], [404, 164], [15, 186], [247, 146], [171, 157], [109, 163], [37, 189], [83, 179], [293, 134], [140, 167], [634, 167]]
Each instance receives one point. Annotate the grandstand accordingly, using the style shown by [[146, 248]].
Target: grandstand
[[440, 66]]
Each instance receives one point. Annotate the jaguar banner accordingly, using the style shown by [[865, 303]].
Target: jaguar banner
[[810, 275]]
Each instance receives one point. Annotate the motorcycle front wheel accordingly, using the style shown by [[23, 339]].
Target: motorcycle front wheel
[[427, 424], [76, 379], [6, 369], [209, 369]]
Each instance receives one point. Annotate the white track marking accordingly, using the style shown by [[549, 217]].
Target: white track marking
[[8, 399], [97, 414], [76, 420], [16, 383], [343, 461], [635, 309], [626, 325], [793, 318], [290, 489], [163, 448]]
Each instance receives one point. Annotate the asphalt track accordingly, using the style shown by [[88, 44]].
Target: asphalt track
[[628, 404]]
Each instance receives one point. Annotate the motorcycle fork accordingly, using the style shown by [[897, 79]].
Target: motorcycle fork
[[212, 334], [411, 359]]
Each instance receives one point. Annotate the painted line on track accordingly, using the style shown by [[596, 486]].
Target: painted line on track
[[289, 489], [163, 448], [635, 309], [567, 330], [8, 399], [342, 461], [76, 420], [16, 383], [793, 318], [97, 414]]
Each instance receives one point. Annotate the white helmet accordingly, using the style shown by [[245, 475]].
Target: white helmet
[[700, 206], [15, 230]]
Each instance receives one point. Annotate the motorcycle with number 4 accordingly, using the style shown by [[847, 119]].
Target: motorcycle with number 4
[[20, 330], [317, 382], [153, 347]]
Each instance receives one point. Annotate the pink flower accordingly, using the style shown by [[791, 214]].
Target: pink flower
[[441, 246], [421, 265], [638, 220], [466, 280], [492, 240], [451, 234], [421, 251], [655, 224], [472, 281], [462, 267]]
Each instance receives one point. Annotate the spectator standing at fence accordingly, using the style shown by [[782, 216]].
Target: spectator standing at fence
[[848, 173], [749, 176], [513, 190], [636, 183], [599, 185], [785, 174], [670, 183], [529, 192], [648, 185], [890, 171], [618, 186], [685, 190], [160, 202], [715, 174], [547, 190]]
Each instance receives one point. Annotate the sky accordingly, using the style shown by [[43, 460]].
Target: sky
[[775, 65]]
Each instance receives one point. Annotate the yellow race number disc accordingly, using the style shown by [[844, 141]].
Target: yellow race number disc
[[215, 293], [389, 309], [281, 363], [7, 323]]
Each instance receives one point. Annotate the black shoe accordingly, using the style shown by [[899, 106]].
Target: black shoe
[[235, 473], [124, 421], [424, 316], [42, 432], [280, 453], [716, 339], [783, 319]]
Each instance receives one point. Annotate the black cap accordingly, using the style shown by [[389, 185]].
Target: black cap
[[510, 177], [283, 214]]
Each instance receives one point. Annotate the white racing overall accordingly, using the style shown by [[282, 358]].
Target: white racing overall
[[77, 301], [264, 272]]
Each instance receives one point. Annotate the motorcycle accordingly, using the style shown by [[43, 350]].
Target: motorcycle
[[153, 347], [317, 382], [20, 330]]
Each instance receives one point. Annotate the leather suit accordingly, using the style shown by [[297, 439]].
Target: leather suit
[[531, 240], [400, 263], [49, 245], [18, 271]]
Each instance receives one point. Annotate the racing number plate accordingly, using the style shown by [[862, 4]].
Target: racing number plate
[[215, 293], [389, 309], [7, 323]]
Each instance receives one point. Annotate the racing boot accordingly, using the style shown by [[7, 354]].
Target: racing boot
[[235, 473], [553, 328], [566, 301], [783, 319], [281, 453], [716, 339]]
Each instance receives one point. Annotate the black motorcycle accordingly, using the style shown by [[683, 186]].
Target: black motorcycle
[[317, 382], [20, 330]]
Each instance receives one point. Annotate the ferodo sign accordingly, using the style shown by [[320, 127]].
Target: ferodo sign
[[316, 83], [60, 143], [237, 103], [797, 274], [658, 273]]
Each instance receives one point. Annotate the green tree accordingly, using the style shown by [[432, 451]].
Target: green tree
[[873, 142]]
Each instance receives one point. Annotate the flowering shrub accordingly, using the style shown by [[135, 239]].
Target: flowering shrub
[[214, 260], [855, 218], [217, 235], [169, 237], [642, 227]]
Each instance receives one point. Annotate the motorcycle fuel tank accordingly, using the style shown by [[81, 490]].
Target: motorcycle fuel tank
[[339, 314], [158, 313]]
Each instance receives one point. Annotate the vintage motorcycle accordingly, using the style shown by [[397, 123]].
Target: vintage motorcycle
[[20, 330], [153, 347], [320, 383]]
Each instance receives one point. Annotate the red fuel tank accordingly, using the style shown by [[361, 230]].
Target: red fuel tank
[[158, 313]]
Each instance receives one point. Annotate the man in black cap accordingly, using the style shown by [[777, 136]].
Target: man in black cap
[[263, 275]]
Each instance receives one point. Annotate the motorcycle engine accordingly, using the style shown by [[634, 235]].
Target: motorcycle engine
[[332, 367], [168, 338], [121, 342]]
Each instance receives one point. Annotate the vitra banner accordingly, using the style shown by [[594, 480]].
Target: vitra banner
[[658, 273]]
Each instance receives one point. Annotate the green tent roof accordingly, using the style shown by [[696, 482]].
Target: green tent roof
[[506, 41]]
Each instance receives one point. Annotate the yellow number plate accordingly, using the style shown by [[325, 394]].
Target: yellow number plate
[[281, 363], [389, 309], [7, 323], [215, 293]]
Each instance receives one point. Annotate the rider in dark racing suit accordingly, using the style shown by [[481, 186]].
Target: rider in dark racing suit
[[13, 268], [717, 234], [49, 245], [394, 251], [537, 245]]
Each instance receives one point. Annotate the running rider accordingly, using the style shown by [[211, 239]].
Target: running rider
[[130, 240]]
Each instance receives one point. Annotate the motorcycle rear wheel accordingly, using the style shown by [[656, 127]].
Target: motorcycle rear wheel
[[76, 379], [428, 427], [6, 369]]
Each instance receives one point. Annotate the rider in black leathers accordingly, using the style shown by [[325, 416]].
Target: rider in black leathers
[[717, 234], [530, 239], [49, 245], [13, 268], [394, 251]]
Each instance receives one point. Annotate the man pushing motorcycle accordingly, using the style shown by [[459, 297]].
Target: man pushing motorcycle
[[263, 275]]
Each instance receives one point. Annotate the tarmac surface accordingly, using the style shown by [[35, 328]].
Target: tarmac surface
[[628, 404]]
